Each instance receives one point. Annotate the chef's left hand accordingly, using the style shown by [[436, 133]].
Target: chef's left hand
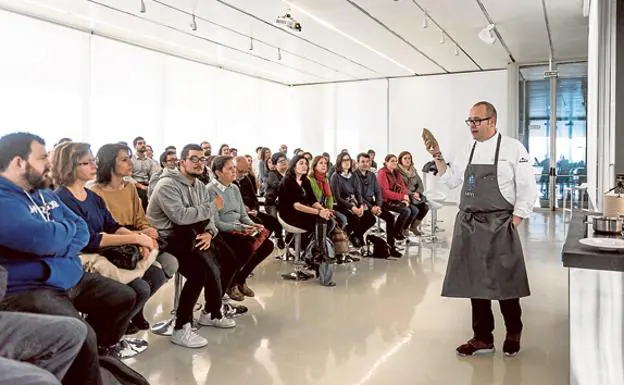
[[516, 221]]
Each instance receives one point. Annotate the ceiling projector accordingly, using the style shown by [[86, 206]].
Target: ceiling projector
[[289, 22]]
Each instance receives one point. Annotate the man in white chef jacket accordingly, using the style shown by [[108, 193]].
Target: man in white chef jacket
[[486, 261]]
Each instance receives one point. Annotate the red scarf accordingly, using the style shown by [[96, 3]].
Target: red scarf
[[321, 180]]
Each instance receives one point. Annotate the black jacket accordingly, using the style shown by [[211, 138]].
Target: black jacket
[[369, 188], [247, 187], [271, 186], [347, 191]]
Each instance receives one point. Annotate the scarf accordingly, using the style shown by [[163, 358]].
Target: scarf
[[407, 172], [393, 181], [321, 180]]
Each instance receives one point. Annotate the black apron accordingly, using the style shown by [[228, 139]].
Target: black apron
[[486, 259]]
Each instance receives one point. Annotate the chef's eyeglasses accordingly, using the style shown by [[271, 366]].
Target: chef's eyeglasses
[[197, 159], [477, 122]]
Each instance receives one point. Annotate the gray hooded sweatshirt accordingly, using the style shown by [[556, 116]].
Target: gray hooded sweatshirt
[[177, 201]]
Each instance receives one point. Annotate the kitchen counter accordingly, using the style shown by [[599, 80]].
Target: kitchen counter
[[577, 255], [596, 310]]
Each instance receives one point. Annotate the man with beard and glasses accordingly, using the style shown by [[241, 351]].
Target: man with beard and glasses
[[142, 169], [182, 212], [39, 247]]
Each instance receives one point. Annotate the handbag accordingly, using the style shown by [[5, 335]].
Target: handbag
[[124, 257], [341, 241]]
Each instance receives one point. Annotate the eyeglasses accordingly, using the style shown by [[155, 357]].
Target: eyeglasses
[[87, 163], [139, 143], [196, 159], [476, 121]]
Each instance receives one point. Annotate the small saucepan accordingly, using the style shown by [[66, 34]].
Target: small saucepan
[[607, 225]]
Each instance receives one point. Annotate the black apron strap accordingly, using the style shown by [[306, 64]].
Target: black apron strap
[[498, 142]]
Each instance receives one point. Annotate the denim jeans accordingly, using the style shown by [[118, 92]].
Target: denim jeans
[[38, 349], [108, 305]]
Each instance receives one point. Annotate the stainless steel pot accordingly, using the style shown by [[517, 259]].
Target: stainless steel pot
[[607, 225]]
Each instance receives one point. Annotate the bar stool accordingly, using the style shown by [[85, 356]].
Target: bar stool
[[297, 274], [582, 189], [435, 202], [165, 328]]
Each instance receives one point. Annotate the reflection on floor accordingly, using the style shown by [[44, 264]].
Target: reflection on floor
[[384, 322]]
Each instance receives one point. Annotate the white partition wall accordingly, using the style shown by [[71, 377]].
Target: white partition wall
[[441, 104]]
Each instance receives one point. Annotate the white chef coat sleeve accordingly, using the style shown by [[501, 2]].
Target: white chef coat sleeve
[[526, 189], [454, 175]]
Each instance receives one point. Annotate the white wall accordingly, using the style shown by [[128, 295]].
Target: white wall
[[57, 82], [441, 104]]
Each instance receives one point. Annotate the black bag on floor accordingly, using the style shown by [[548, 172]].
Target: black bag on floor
[[115, 372], [377, 247]]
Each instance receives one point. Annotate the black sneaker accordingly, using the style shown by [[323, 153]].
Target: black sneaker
[[511, 347], [475, 347], [395, 253], [234, 311]]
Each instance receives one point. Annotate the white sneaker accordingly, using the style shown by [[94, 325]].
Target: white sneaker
[[188, 337], [222, 323]]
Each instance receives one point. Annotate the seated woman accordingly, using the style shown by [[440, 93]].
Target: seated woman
[[322, 189], [395, 196], [74, 166], [349, 198], [415, 189], [298, 206], [250, 241], [122, 200]]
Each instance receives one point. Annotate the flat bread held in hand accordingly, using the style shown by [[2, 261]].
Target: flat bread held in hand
[[431, 144]]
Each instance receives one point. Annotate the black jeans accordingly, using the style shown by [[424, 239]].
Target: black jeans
[[268, 221], [108, 305], [407, 214], [423, 209], [483, 319], [145, 287], [357, 226], [272, 212], [143, 196], [391, 230]]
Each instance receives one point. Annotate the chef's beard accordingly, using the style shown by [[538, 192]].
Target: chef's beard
[[36, 180]]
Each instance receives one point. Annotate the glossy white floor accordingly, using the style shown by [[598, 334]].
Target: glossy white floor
[[384, 322]]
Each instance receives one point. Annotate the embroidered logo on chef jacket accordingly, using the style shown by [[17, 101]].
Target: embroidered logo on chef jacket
[[470, 184], [523, 160]]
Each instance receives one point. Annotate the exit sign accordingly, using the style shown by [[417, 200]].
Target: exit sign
[[551, 74]]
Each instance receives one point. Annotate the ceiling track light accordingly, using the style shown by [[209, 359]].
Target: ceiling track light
[[143, 9], [193, 23], [456, 51], [425, 23], [443, 39], [279, 54], [251, 47]]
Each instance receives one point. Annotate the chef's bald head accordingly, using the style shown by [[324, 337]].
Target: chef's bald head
[[490, 110]]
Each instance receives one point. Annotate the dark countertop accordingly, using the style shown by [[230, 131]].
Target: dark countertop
[[577, 255]]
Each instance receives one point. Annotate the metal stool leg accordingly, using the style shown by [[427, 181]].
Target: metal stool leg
[[165, 328], [297, 274]]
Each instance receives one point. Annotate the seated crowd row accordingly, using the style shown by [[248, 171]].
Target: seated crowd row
[[54, 242]]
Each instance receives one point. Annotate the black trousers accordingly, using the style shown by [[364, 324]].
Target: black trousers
[[423, 209], [270, 222], [391, 230], [357, 226], [247, 258], [108, 305], [143, 196], [483, 319]]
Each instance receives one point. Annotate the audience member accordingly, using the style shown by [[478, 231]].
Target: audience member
[[183, 214], [224, 150], [233, 152], [395, 196], [271, 186], [206, 147], [371, 154], [322, 188], [44, 272], [372, 196], [415, 189], [249, 240], [168, 159], [73, 167], [349, 200], [142, 169]]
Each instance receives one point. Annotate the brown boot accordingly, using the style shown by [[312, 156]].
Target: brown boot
[[246, 291], [235, 294], [415, 227]]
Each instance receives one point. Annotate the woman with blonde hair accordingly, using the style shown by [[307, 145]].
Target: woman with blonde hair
[[415, 189]]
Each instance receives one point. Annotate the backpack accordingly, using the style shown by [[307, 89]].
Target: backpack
[[341, 241], [115, 372], [380, 248]]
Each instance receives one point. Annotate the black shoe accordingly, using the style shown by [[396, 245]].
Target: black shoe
[[355, 241], [132, 329], [395, 253], [280, 244], [399, 237], [140, 322], [511, 346]]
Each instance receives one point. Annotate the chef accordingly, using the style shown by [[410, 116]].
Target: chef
[[486, 261]]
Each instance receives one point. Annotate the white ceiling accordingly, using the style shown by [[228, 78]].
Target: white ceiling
[[341, 39]]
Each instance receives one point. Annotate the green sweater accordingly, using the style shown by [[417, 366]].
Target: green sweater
[[329, 202]]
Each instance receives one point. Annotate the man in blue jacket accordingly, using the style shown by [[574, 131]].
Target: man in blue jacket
[[40, 239]]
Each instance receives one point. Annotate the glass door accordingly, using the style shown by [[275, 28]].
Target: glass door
[[558, 173]]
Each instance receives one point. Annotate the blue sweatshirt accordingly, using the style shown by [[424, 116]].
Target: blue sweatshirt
[[40, 239]]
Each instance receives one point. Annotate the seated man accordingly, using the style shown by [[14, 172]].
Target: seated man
[[371, 194], [39, 245], [36, 349], [247, 185], [182, 212]]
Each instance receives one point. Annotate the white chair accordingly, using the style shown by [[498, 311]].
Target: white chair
[[297, 274], [435, 201]]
